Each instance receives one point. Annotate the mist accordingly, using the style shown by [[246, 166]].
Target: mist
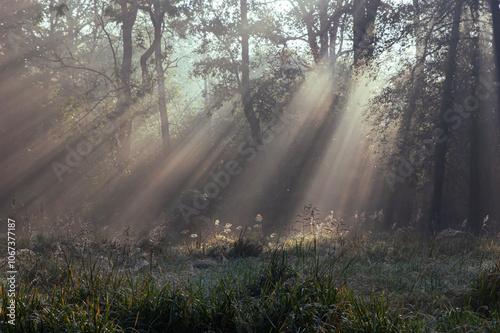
[[332, 123]]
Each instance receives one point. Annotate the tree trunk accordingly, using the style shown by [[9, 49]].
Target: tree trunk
[[156, 17], [399, 207], [324, 26], [475, 216], [447, 103], [475, 193], [162, 103], [245, 77], [364, 14], [333, 42], [124, 100], [495, 14]]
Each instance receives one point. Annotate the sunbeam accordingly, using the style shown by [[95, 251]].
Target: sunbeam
[[343, 178]]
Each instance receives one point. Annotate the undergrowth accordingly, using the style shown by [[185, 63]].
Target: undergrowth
[[314, 282]]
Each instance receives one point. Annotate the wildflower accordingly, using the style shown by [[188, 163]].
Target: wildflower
[[485, 220], [259, 218], [194, 235], [217, 222], [228, 225], [257, 226], [239, 227], [273, 235]]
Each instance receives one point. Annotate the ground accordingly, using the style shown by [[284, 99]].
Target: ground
[[341, 282]]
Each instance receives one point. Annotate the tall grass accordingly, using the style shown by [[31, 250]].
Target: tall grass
[[305, 283]]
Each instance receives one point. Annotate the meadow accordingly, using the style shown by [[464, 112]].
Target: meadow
[[321, 279]]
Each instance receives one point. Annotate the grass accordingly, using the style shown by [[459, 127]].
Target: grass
[[308, 283]]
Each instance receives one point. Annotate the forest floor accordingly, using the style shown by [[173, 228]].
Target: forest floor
[[306, 283]]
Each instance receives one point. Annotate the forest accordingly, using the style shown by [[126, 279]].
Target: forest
[[250, 166]]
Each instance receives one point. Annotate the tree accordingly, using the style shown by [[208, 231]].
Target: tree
[[399, 206], [324, 23], [364, 14], [447, 140], [128, 17], [226, 32], [495, 15], [446, 104], [246, 97], [157, 13]]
